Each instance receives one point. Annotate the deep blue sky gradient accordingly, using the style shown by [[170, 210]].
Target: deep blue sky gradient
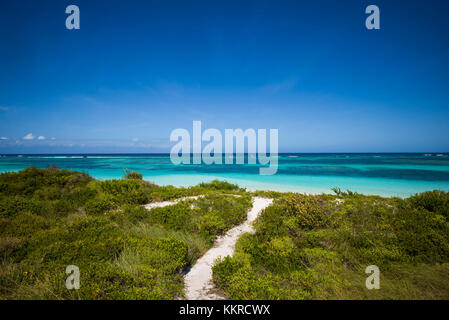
[[136, 70]]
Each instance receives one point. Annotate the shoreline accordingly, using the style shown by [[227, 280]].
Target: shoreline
[[396, 188], [386, 175], [254, 186], [171, 250]]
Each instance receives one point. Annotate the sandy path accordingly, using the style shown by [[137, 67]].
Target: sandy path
[[167, 203], [198, 281]]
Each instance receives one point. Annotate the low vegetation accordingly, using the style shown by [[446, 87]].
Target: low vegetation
[[304, 247], [317, 247], [52, 218]]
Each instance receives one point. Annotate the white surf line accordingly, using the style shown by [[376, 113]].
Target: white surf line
[[198, 281]]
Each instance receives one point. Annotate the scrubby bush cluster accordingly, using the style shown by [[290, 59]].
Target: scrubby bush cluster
[[208, 216], [220, 185], [52, 218], [132, 174], [304, 247], [434, 201], [317, 247]]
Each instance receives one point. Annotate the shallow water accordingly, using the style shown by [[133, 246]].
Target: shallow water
[[382, 174]]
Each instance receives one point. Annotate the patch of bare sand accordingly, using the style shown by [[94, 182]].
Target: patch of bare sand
[[198, 281]]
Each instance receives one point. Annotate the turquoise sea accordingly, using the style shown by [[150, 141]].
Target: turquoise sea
[[382, 174]]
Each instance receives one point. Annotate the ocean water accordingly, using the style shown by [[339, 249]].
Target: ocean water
[[382, 174]]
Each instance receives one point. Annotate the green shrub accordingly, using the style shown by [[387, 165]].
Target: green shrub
[[174, 217], [28, 181], [132, 175], [25, 224], [220, 185], [433, 201], [9, 244], [52, 218], [100, 204], [305, 212], [127, 191], [314, 247], [223, 271], [422, 235], [12, 206], [304, 247]]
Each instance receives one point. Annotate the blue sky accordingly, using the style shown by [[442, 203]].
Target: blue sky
[[136, 70]]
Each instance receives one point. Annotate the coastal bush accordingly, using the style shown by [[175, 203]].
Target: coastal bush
[[433, 201], [305, 212], [164, 193], [220, 185], [304, 247], [52, 218], [11, 206], [268, 194], [132, 175], [422, 235], [25, 224], [127, 191], [316, 247], [210, 215], [175, 217], [31, 179]]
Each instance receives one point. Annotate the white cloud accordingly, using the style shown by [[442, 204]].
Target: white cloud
[[135, 140], [41, 138], [29, 136], [3, 138]]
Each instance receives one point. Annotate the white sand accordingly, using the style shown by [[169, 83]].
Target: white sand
[[198, 281], [167, 203]]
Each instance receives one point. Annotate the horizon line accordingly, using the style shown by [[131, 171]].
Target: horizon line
[[246, 153]]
